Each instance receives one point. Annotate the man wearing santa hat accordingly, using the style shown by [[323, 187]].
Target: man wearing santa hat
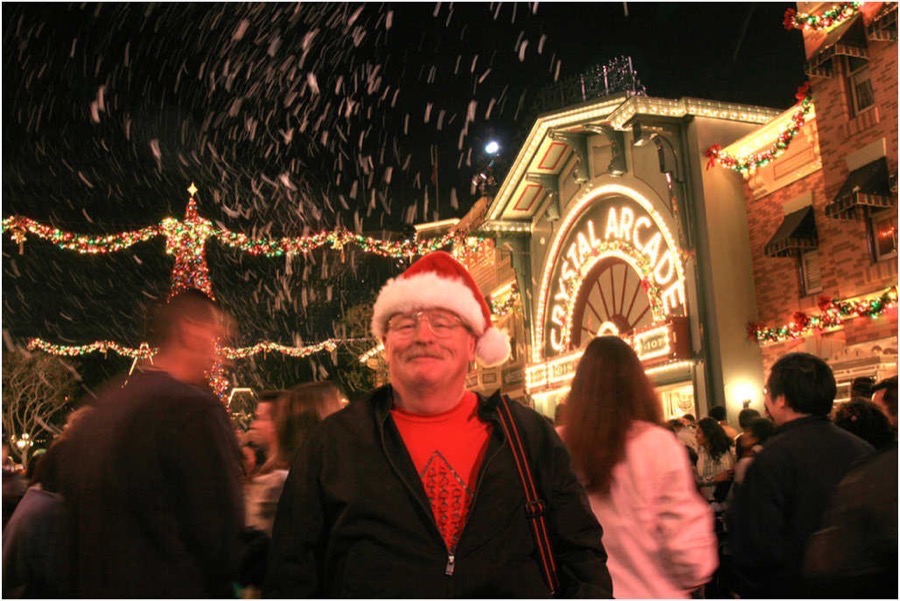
[[414, 492]]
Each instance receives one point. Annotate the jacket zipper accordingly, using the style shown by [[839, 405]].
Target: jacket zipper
[[451, 559], [451, 565]]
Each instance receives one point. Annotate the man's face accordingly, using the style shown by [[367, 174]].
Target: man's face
[[262, 428], [428, 348], [200, 338]]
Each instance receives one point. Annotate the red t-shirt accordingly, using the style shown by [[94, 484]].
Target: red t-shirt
[[447, 450]]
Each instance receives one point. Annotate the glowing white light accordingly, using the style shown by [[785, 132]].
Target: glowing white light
[[492, 147]]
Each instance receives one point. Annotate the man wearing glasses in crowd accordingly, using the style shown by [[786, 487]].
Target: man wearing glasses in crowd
[[414, 491]]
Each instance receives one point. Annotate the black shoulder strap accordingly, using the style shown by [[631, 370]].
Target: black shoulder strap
[[534, 505]]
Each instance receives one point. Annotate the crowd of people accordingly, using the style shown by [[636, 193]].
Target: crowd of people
[[425, 489]]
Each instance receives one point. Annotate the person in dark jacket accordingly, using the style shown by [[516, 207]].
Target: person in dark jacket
[[789, 483], [152, 477], [414, 492]]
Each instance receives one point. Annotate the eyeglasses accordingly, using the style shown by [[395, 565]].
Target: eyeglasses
[[441, 323]]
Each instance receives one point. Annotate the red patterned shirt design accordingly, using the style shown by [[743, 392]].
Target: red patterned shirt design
[[450, 498]]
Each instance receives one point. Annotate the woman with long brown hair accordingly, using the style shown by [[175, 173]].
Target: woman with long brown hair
[[715, 460], [657, 530], [292, 413]]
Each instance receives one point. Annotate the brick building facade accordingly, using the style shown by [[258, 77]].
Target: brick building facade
[[849, 143]]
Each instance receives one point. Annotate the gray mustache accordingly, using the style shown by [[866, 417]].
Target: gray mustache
[[417, 354]]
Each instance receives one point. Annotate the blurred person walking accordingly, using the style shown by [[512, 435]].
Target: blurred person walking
[[290, 416], [657, 529], [152, 477]]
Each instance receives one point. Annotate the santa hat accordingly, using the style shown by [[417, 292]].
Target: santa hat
[[438, 281]]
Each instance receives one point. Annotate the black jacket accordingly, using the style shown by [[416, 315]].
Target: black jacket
[[854, 555], [152, 480], [354, 520], [782, 502]]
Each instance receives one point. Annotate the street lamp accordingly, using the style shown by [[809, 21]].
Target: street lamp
[[484, 179]]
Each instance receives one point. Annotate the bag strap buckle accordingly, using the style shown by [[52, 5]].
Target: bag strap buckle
[[535, 509]]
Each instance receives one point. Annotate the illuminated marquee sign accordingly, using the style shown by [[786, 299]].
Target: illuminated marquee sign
[[623, 228], [653, 345]]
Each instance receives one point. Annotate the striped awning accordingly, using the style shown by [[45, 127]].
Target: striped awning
[[867, 188], [796, 234], [848, 39], [884, 26]]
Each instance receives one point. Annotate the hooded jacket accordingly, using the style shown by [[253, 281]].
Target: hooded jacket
[[354, 519]]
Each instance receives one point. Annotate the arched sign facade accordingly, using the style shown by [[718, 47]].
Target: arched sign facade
[[616, 268]]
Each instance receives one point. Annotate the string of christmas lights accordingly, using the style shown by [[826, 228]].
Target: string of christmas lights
[[754, 161], [834, 313], [371, 353], [189, 236], [145, 351], [504, 308], [836, 15], [273, 347], [19, 226]]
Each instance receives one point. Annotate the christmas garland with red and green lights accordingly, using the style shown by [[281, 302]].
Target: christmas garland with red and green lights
[[834, 313], [192, 232], [750, 163], [145, 351], [836, 15], [504, 308]]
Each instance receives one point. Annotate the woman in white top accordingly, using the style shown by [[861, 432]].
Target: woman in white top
[[715, 460], [657, 530]]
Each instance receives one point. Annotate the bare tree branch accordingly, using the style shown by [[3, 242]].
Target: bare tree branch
[[36, 391]]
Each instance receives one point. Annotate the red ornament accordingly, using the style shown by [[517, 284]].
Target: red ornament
[[824, 303], [802, 92], [789, 18], [752, 330], [801, 319], [712, 153]]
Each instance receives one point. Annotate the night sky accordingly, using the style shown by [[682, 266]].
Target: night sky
[[294, 118]]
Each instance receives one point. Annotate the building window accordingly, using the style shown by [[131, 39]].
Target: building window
[[884, 235], [810, 272], [861, 95]]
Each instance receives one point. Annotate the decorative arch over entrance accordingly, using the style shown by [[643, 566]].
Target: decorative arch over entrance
[[612, 301], [620, 227]]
